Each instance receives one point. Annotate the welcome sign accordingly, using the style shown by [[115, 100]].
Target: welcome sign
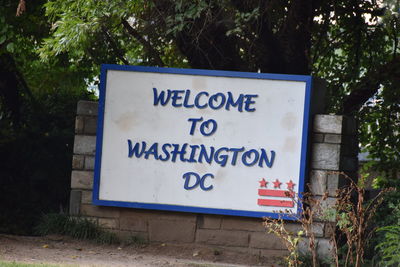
[[202, 141]]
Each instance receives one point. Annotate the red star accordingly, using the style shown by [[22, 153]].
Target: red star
[[263, 183], [277, 184], [290, 185]]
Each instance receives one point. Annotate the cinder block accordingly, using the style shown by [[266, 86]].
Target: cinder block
[[324, 248], [78, 162], [333, 138], [75, 202], [90, 125], [128, 236], [318, 229], [82, 180], [293, 227], [265, 241], [160, 215], [85, 145], [87, 108], [171, 231], [209, 221], [318, 138], [328, 124], [329, 230], [318, 183], [273, 255], [133, 223], [323, 208], [323, 245], [223, 237], [79, 124], [325, 156], [108, 223], [333, 183], [89, 163], [98, 211], [242, 223], [86, 197]]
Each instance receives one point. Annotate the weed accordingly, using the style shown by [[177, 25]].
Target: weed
[[76, 227], [351, 215], [136, 241]]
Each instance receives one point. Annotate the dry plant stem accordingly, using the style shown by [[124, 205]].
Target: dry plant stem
[[354, 218], [276, 226]]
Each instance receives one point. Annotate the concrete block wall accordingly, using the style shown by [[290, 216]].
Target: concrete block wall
[[334, 148]]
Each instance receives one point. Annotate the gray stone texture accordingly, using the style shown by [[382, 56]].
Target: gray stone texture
[[318, 138], [90, 125], [333, 182], [209, 221], [82, 180], [265, 241], [328, 124], [318, 182], [87, 108], [223, 237], [75, 202], [172, 231], [333, 138], [79, 124], [325, 156], [78, 162], [134, 223], [242, 223], [108, 223], [89, 163], [98, 211], [85, 145], [86, 197], [318, 229]]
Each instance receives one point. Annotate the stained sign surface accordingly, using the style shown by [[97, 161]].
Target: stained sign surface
[[202, 141]]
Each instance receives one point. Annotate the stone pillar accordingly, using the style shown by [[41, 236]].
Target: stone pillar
[[334, 148], [334, 152]]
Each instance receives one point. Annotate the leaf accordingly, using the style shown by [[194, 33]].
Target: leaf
[[10, 47], [2, 39]]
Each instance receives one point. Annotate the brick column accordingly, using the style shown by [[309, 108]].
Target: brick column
[[334, 151], [83, 159]]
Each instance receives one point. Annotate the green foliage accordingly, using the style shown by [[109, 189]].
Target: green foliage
[[390, 246], [19, 264], [76, 227]]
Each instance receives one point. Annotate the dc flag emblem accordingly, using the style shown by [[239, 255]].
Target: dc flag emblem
[[276, 197]]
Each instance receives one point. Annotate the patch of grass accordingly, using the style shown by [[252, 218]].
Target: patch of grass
[[76, 227], [19, 264], [136, 241]]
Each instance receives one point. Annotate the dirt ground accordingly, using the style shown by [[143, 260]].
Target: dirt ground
[[67, 251]]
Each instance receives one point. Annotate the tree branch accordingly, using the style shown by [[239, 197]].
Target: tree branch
[[114, 47], [370, 83], [155, 56]]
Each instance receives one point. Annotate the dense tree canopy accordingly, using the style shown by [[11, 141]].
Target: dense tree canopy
[[352, 44], [51, 51]]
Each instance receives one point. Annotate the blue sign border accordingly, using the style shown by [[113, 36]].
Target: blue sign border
[[218, 73]]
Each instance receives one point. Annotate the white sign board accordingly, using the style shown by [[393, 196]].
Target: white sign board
[[201, 141]]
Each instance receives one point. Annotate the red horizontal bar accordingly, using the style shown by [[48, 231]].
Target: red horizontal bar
[[275, 203], [275, 193]]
